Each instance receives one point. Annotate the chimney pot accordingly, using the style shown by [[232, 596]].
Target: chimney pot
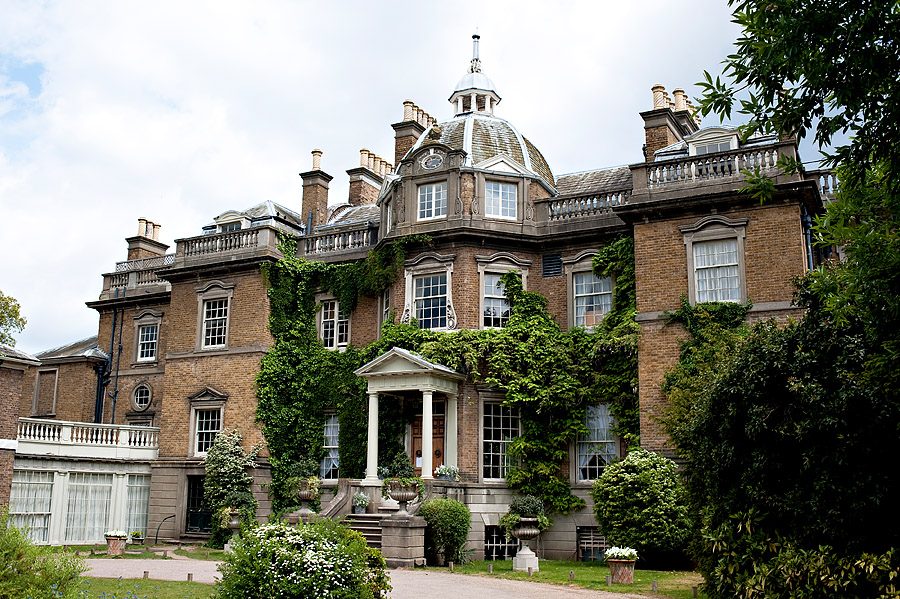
[[156, 232], [364, 157], [680, 98], [317, 160], [408, 110], [370, 163], [142, 227], [659, 94]]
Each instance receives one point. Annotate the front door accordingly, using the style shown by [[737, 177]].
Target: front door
[[437, 440]]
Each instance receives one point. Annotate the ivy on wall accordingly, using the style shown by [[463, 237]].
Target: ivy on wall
[[549, 374]]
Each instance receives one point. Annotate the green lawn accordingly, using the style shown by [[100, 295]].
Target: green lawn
[[202, 553], [139, 588], [592, 575]]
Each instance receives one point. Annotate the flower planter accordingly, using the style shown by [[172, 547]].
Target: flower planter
[[359, 509], [137, 540], [115, 546], [402, 494], [621, 570], [525, 531]]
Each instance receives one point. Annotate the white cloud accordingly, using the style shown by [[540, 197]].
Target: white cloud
[[178, 111]]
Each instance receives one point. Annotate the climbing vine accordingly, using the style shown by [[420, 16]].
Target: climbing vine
[[548, 374]]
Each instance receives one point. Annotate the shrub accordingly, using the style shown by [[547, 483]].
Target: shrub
[[30, 571], [639, 502], [320, 560], [448, 528], [227, 484]]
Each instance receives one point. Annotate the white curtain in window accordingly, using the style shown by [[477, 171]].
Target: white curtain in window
[[29, 503], [88, 506], [597, 448], [716, 267], [137, 502]]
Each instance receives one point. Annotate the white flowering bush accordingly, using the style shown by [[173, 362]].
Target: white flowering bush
[[621, 553], [321, 560], [227, 484], [119, 534]]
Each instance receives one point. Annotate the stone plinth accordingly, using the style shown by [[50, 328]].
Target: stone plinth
[[403, 541]]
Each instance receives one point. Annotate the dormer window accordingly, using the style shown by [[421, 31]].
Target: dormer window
[[500, 200], [229, 227], [712, 148], [432, 201]]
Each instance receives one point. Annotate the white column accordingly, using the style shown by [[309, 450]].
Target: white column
[[117, 508], [474, 102], [59, 496], [459, 105], [372, 445], [427, 431], [450, 432]]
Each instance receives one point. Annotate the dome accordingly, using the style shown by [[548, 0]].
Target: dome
[[477, 80], [483, 136]]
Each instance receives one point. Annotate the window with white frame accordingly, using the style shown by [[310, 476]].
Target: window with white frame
[[500, 425], [500, 200], [329, 469], [597, 448], [593, 298], [712, 148], [215, 322], [137, 502], [496, 304], [385, 306], [29, 503], [335, 331], [716, 271], [207, 424], [148, 337], [230, 227], [431, 300], [432, 200], [141, 397], [87, 516]]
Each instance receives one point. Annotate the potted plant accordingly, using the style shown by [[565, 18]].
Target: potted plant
[[137, 537], [306, 489], [621, 564], [115, 542], [360, 502], [401, 483], [525, 519], [447, 472]]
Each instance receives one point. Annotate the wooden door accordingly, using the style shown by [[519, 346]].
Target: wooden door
[[437, 443]]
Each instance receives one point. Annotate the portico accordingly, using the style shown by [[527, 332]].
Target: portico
[[401, 371]]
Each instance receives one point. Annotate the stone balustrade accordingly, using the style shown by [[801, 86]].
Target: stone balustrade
[[343, 240], [81, 439], [711, 167]]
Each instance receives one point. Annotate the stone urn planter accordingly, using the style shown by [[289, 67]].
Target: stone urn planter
[[307, 490], [403, 492], [234, 525], [526, 530], [115, 546], [621, 570]]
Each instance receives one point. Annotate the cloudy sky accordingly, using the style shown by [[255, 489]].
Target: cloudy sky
[[179, 111]]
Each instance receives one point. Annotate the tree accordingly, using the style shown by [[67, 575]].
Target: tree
[[822, 66], [10, 319], [227, 484]]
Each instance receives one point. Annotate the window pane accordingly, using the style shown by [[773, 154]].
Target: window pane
[[215, 322], [147, 338], [593, 298], [501, 426], [329, 466], [496, 306], [29, 503], [137, 502], [716, 271], [500, 200], [88, 506], [209, 423], [597, 448], [431, 301], [432, 200]]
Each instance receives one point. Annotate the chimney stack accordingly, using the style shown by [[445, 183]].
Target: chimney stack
[[408, 131], [146, 243], [366, 179], [315, 194], [669, 122]]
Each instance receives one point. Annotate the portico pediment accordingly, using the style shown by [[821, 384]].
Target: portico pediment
[[401, 370]]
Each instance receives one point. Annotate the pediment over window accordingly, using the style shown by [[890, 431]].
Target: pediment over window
[[208, 394], [503, 163]]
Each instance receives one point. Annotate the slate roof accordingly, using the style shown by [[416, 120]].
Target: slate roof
[[265, 213], [609, 179], [14, 354], [86, 348], [345, 214], [483, 137]]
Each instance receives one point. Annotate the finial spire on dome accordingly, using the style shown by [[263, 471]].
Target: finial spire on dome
[[475, 92], [476, 62]]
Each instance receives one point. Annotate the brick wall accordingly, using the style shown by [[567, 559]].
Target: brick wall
[[76, 391], [10, 391], [362, 193], [402, 145], [658, 138]]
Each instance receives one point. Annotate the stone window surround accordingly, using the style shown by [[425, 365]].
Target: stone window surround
[[212, 291], [208, 399], [37, 390], [134, 405], [489, 397], [498, 263], [479, 202], [321, 298], [714, 227], [579, 263], [515, 187], [426, 264], [141, 319]]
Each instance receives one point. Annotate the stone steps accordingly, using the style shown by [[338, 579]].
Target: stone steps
[[369, 525]]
